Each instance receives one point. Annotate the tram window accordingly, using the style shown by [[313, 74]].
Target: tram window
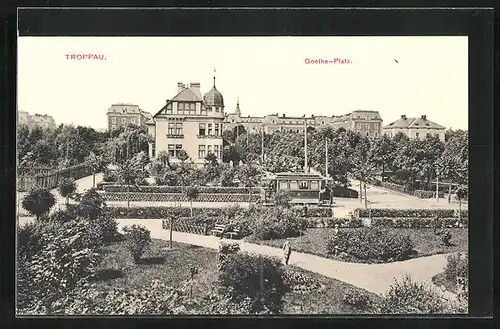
[[283, 185], [314, 185], [303, 185], [294, 185]]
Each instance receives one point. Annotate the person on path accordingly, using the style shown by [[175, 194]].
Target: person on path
[[287, 250]]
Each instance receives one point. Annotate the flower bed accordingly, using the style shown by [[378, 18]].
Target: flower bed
[[406, 222], [410, 213], [180, 189], [176, 197]]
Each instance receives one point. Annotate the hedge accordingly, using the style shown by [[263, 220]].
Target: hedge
[[409, 213], [176, 197], [322, 222], [313, 212], [417, 193], [180, 189], [406, 222], [344, 192]]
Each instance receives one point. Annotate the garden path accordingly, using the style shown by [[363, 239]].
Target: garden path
[[375, 278]]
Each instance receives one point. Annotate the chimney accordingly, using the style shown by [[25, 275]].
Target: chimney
[[180, 86], [403, 117], [195, 87], [424, 117], [284, 115]]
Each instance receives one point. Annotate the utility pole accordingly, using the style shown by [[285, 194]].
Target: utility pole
[[306, 169], [326, 157], [437, 185], [262, 144]]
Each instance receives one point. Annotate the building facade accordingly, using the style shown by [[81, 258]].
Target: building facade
[[124, 114], [189, 122], [368, 123], [415, 128], [36, 120]]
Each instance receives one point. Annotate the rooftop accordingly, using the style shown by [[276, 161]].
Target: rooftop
[[422, 122]]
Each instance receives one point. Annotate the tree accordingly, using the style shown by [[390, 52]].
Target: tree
[[384, 150], [67, 187], [460, 194], [96, 164], [364, 164], [91, 204], [454, 161], [191, 193], [38, 202], [128, 172], [182, 155], [211, 168], [229, 136]]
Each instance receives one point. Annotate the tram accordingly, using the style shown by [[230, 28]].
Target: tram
[[304, 188]]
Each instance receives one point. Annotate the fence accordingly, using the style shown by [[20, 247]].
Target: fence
[[187, 228], [26, 176], [50, 180], [177, 197]]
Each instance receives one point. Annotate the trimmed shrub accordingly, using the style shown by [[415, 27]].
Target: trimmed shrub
[[38, 202], [320, 222], [180, 189], [313, 211], [138, 239], [409, 297], [358, 299], [173, 197], [370, 245], [415, 213], [66, 187], [409, 222], [240, 277]]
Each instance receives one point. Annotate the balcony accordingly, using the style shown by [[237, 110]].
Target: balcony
[[175, 136], [210, 136]]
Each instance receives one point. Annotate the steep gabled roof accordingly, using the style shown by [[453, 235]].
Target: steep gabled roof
[[414, 123], [185, 95]]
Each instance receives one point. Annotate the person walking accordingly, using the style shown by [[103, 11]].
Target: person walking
[[287, 250]]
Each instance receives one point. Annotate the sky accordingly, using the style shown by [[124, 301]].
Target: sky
[[393, 75]]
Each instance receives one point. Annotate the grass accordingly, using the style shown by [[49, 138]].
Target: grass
[[313, 241], [170, 266]]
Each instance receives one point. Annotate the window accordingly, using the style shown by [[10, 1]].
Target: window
[[216, 151], [376, 134], [428, 135], [314, 185], [192, 108], [132, 121], [217, 129], [216, 109], [203, 110], [283, 185], [113, 127], [178, 147], [294, 185], [209, 129], [417, 134], [201, 151], [304, 185], [201, 131], [113, 120], [171, 150], [124, 120], [171, 129], [232, 120], [367, 133], [178, 129], [209, 109], [209, 150], [322, 122], [169, 108], [437, 135]]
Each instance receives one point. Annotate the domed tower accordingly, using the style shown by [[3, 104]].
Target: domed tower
[[214, 99]]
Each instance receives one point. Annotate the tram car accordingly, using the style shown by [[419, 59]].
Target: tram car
[[304, 188]]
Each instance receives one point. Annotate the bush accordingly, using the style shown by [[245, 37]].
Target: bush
[[457, 266], [241, 278], [276, 223], [282, 199], [408, 222], [180, 189], [407, 190], [332, 222], [313, 212], [54, 257], [409, 297], [344, 192], [415, 213], [138, 239], [226, 249], [371, 244], [357, 299], [298, 281], [38, 202], [109, 176]]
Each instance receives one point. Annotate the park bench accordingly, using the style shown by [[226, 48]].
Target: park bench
[[234, 233], [219, 228]]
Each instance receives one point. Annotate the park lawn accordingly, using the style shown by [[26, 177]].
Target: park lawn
[[117, 270], [314, 241]]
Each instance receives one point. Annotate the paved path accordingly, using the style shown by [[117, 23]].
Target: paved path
[[375, 278]]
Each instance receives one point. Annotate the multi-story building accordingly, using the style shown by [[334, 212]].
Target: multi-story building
[[189, 122], [368, 123], [415, 128], [124, 114], [36, 120]]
